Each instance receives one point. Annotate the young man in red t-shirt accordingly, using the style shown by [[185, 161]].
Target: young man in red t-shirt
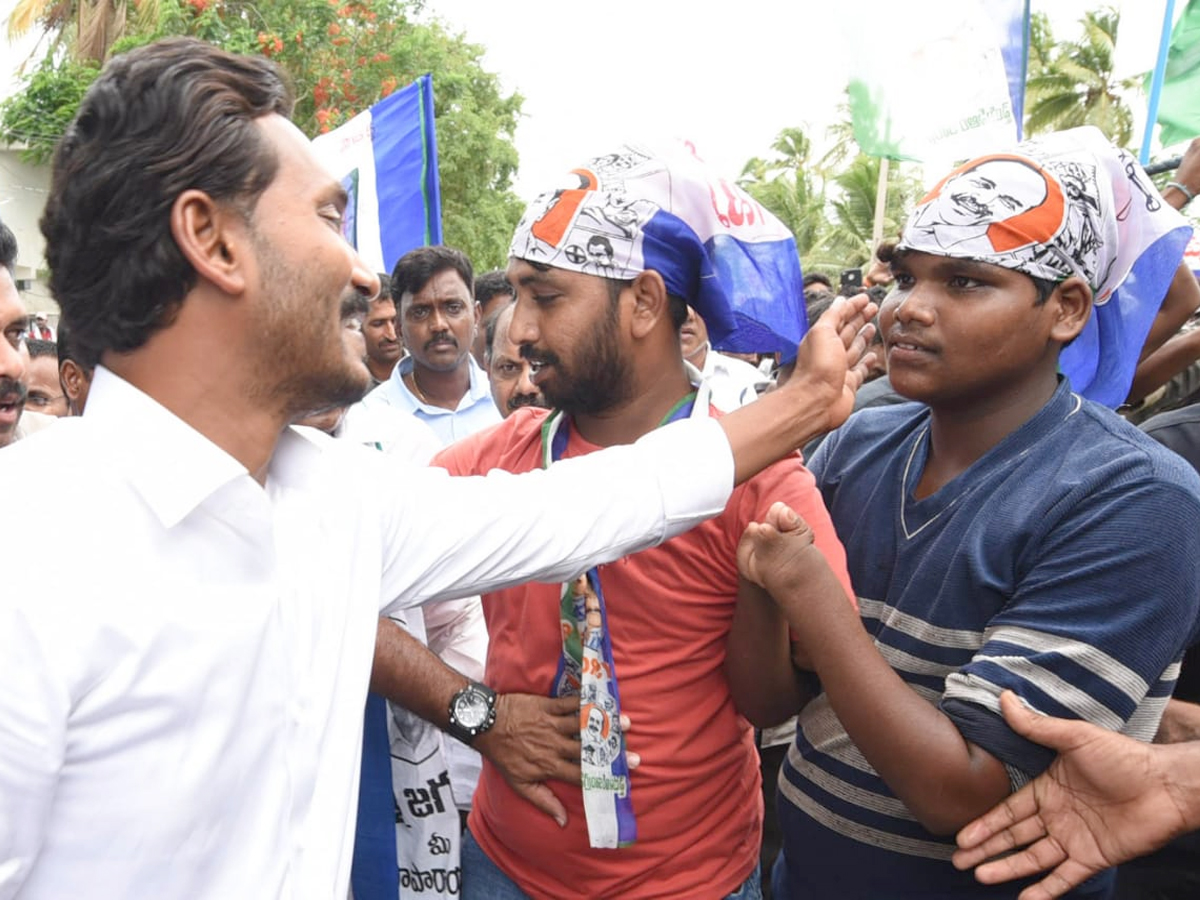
[[604, 333]]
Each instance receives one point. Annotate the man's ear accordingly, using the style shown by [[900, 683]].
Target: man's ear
[[212, 237], [650, 302], [1073, 298], [70, 376], [74, 383]]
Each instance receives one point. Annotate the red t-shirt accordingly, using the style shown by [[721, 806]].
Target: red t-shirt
[[697, 793]]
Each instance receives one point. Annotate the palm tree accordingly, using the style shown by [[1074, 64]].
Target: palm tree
[[846, 238], [1072, 84], [830, 208], [787, 185], [88, 28]]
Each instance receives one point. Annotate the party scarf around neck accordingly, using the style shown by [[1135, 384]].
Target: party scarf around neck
[[586, 669]]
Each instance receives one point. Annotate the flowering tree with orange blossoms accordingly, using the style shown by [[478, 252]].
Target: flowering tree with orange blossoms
[[342, 56]]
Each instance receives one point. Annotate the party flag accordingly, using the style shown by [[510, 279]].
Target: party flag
[[386, 158]]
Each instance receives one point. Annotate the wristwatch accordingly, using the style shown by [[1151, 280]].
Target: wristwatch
[[472, 712]]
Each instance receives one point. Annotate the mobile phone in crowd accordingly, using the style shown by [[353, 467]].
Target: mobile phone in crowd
[[852, 282]]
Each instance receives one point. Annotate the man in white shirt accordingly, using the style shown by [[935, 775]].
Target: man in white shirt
[[181, 706], [13, 360], [733, 382], [381, 335]]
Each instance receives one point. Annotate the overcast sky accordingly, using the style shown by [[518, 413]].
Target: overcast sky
[[728, 77]]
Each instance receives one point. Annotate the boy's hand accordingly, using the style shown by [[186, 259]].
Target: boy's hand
[[778, 552]]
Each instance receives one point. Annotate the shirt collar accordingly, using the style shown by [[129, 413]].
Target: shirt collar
[[171, 465], [478, 389]]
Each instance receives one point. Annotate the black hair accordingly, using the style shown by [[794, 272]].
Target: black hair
[[489, 331], [66, 347], [678, 309], [489, 284], [355, 304], [817, 278], [171, 116], [385, 287], [8, 248], [816, 307], [39, 348], [416, 267]]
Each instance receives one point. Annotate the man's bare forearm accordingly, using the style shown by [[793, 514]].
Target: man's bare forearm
[[410, 675]]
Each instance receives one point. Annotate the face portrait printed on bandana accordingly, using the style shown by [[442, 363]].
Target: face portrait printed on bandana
[[589, 224], [994, 204], [1095, 216], [664, 209], [1039, 214]]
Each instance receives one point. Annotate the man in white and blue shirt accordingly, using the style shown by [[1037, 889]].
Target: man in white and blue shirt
[[439, 382]]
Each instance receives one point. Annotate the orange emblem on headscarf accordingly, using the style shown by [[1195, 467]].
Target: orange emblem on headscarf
[[555, 221]]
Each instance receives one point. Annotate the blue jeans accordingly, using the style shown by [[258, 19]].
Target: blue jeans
[[483, 880]]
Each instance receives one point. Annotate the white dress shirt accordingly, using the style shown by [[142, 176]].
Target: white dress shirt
[[181, 698], [733, 382], [390, 431]]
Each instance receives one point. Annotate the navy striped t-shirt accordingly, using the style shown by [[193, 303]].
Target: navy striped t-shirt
[[1062, 565]]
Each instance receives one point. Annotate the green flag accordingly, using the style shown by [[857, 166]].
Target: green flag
[[940, 92], [1179, 104]]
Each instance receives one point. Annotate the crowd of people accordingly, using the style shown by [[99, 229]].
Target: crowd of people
[[535, 583]]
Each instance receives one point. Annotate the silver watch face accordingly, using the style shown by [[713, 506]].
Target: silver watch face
[[471, 709]]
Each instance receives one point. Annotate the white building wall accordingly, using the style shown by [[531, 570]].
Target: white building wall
[[23, 191]]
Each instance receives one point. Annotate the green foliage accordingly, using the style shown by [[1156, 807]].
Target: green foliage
[[847, 241], [342, 56], [787, 186], [37, 116], [1071, 83], [828, 205], [476, 157]]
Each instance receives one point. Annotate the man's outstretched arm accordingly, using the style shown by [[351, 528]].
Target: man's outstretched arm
[[550, 525], [1104, 800]]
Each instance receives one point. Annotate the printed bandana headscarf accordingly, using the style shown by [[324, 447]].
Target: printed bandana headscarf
[[1058, 205], [714, 245]]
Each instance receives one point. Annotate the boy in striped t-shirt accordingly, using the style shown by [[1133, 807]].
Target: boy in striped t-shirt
[[1004, 532]]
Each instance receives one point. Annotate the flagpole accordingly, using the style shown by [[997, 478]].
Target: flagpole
[[880, 203], [1160, 72], [1026, 25]]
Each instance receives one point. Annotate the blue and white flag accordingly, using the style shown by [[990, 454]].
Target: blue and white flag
[[715, 246], [386, 158]]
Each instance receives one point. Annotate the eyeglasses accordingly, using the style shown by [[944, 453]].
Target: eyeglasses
[[39, 400]]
